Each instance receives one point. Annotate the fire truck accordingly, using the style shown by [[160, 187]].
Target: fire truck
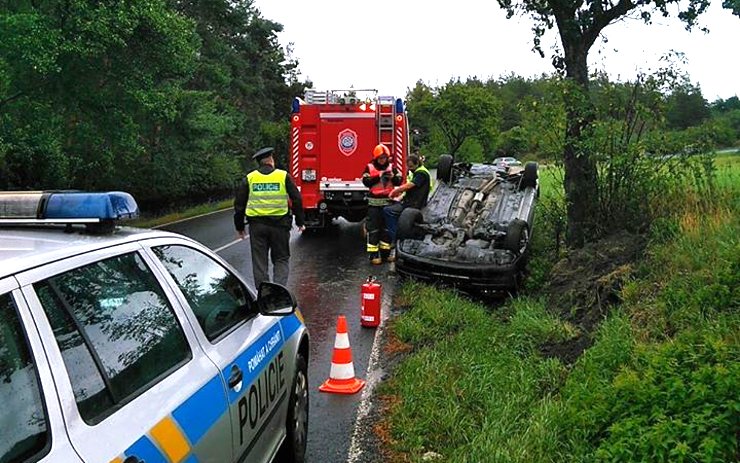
[[332, 136]]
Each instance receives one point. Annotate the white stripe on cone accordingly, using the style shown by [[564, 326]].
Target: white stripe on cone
[[342, 371], [341, 341]]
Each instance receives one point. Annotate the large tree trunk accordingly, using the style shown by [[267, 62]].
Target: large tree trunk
[[580, 169]]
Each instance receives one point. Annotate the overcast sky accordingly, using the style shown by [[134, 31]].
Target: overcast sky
[[390, 44]]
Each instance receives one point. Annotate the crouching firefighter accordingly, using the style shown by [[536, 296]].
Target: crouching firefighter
[[380, 177]]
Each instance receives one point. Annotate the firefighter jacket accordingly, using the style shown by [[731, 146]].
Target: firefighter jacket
[[380, 179], [267, 195]]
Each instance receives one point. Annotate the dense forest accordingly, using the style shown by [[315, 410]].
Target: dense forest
[[167, 99], [162, 98]]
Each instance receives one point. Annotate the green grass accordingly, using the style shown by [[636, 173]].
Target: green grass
[[148, 222], [659, 382], [474, 384]]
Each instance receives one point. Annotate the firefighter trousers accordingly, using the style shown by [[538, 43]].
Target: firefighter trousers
[[275, 240], [378, 239]]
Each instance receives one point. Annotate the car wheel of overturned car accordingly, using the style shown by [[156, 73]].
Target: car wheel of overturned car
[[293, 449], [407, 223], [529, 177], [517, 236], [444, 168]]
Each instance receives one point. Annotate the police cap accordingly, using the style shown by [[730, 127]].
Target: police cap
[[263, 153]]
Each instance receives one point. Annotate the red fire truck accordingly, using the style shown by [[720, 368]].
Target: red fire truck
[[333, 134]]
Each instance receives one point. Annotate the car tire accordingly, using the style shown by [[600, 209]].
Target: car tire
[[293, 449], [529, 177], [407, 223], [517, 236], [444, 168]]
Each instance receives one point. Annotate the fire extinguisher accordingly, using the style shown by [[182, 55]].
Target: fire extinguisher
[[370, 298]]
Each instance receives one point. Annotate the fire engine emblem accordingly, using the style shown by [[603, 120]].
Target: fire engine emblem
[[347, 141]]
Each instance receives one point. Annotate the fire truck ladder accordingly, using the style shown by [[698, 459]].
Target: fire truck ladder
[[386, 116]]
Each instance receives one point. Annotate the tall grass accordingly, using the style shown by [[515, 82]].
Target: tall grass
[[658, 384]]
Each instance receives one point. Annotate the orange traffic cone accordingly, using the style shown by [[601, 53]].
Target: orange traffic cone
[[342, 375]]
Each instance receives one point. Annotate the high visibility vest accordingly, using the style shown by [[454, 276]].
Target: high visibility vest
[[380, 190], [410, 176], [268, 196]]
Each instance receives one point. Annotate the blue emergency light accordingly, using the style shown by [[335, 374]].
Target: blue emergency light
[[21, 207], [296, 106], [399, 106]]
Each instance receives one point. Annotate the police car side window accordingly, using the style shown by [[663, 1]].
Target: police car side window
[[216, 296], [116, 330], [23, 429]]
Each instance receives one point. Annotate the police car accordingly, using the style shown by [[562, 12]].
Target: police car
[[126, 345]]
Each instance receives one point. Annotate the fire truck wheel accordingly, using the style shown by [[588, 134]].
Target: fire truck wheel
[[444, 168], [407, 228]]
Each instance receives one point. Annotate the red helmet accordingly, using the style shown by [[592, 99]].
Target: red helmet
[[380, 150]]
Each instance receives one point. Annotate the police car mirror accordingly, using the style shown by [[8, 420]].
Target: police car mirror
[[274, 299]]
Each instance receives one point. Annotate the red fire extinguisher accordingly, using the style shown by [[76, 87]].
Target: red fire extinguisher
[[370, 298]]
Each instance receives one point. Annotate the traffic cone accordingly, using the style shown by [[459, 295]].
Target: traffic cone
[[342, 375]]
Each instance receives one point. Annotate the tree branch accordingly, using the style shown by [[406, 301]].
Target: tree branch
[[11, 98], [603, 18]]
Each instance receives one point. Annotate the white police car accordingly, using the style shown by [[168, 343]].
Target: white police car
[[136, 346]]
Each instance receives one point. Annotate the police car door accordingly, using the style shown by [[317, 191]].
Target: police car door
[[245, 346], [31, 424], [133, 383]]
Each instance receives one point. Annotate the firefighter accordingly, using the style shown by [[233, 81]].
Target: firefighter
[[415, 194], [262, 198], [380, 177]]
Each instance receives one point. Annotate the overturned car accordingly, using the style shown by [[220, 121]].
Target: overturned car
[[475, 230]]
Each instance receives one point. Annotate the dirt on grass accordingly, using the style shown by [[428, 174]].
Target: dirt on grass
[[585, 285]]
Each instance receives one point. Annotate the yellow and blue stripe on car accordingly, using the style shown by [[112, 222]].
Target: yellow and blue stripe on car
[[173, 438]]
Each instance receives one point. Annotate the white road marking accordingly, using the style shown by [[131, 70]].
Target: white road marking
[[363, 409], [191, 218], [239, 240]]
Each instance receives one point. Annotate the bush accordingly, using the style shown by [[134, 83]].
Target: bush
[[679, 403]]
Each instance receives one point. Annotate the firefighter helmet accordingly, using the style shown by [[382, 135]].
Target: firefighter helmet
[[380, 150]]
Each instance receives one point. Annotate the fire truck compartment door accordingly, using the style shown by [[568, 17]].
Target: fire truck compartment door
[[347, 142]]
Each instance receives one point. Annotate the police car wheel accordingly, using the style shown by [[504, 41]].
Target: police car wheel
[[293, 449]]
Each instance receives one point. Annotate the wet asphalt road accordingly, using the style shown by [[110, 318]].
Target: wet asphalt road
[[326, 273]]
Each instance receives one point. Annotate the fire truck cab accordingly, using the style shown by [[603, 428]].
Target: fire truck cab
[[333, 134]]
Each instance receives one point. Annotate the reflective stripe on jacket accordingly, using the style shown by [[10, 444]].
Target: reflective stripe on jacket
[[268, 196], [383, 188], [410, 176]]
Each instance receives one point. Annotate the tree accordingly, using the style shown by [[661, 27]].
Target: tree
[[579, 24], [686, 108], [463, 110]]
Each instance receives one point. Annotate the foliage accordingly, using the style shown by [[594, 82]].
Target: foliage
[[686, 108], [579, 25], [133, 95], [458, 111], [659, 383]]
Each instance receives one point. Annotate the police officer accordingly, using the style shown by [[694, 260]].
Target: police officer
[[415, 191], [380, 177], [263, 199]]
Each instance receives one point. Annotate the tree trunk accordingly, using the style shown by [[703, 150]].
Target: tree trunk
[[580, 169]]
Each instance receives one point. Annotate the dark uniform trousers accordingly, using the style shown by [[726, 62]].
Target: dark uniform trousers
[[377, 233], [276, 239]]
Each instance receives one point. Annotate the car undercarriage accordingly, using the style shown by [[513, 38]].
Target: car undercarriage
[[476, 228]]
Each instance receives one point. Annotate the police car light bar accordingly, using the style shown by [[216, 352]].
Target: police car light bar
[[65, 207]]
